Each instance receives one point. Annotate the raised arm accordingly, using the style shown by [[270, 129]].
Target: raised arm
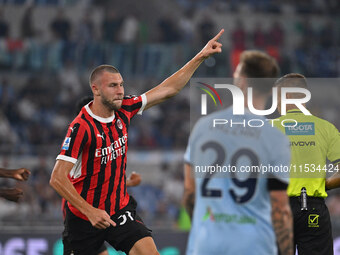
[[282, 221], [60, 182], [172, 85], [189, 190]]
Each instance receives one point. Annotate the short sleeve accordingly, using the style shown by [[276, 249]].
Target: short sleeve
[[74, 142], [187, 155], [133, 105], [281, 158], [333, 152]]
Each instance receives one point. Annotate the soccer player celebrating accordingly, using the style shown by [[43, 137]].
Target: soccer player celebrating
[[312, 141], [133, 180], [94, 156], [235, 213], [13, 194]]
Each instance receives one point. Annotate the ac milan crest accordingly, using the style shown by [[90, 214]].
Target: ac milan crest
[[119, 124]]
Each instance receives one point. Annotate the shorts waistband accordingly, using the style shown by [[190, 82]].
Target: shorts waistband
[[309, 198]]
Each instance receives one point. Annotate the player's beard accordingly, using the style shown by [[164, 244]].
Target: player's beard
[[112, 105]]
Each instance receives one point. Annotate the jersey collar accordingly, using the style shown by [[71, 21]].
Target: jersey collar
[[294, 111], [100, 119]]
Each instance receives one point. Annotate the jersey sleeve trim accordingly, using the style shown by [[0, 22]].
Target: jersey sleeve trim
[[67, 158], [275, 184], [144, 102]]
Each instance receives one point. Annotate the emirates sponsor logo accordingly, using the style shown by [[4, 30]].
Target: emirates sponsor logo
[[113, 151]]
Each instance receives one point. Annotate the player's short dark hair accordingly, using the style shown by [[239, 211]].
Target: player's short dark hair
[[292, 80], [82, 102], [99, 70], [257, 64]]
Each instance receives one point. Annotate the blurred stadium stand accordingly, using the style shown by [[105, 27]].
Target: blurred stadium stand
[[48, 47]]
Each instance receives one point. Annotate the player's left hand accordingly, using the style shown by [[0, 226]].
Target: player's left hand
[[21, 174], [133, 180], [213, 46], [12, 194]]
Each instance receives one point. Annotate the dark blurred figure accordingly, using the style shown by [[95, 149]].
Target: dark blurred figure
[[111, 26], [187, 27], [61, 26], [327, 36], [276, 35], [85, 30], [259, 37], [238, 36], [27, 28], [206, 28], [308, 34], [4, 27], [168, 30]]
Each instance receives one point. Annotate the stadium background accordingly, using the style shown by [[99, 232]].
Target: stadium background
[[48, 47]]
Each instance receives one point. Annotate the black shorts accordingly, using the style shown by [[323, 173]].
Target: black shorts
[[81, 238], [101, 249], [312, 228]]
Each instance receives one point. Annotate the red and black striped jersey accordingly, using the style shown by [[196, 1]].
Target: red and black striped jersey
[[97, 147]]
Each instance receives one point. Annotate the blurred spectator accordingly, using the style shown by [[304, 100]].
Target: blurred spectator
[[276, 35], [130, 29], [259, 37], [85, 29], [61, 26], [168, 30], [206, 28], [187, 26], [27, 28], [238, 36], [4, 27], [71, 87], [7, 134], [111, 26], [7, 95], [307, 33], [327, 36]]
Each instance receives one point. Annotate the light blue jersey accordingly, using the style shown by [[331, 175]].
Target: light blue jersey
[[232, 212]]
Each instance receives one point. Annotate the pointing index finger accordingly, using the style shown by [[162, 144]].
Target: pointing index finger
[[218, 35]]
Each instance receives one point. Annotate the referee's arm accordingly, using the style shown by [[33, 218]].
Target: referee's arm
[[333, 182]]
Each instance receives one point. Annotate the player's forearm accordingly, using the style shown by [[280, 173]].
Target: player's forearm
[[283, 225], [62, 185], [174, 84], [6, 173], [178, 80], [333, 182], [189, 202]]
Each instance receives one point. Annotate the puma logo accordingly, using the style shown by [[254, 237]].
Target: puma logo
[[102, 135]]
